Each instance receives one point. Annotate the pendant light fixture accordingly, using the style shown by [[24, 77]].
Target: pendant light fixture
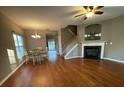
[[36, 36]]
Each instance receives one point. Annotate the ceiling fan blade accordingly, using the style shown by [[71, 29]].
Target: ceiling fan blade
[[99, 7], [79, 15], [98, 12], [85, 18], [91, 7], [85, 7]]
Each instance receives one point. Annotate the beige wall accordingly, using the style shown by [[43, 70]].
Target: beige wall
[[34, 43], [113, 31], [75, 52], [42, 42], [7, 42], [116, 36]]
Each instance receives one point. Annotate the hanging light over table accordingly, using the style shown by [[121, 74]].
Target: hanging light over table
[[36, 36]]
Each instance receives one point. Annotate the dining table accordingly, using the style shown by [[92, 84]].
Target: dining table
[[37, 55]]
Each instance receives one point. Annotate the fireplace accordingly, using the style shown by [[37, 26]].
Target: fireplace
[[92, 52], [93, 46]]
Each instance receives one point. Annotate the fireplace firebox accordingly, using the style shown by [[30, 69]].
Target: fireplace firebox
[[92, 52]]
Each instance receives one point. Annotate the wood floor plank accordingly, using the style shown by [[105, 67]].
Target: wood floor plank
[[68, 73]]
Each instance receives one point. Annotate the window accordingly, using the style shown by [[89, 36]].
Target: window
[[11, 56], [19, 44], [51, 45]]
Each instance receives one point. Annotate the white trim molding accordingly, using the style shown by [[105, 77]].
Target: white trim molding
[[10, 74], [59, 42], [74, 57], [102, 44], [111, 59]]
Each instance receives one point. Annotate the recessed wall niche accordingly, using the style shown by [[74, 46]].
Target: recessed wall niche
[[93, 32]]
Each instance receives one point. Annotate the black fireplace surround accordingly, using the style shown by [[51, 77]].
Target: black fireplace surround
[[92, 52]]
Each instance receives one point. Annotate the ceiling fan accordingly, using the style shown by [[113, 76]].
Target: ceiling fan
[[90, 11]]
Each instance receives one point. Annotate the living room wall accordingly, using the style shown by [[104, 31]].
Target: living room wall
[[7, 42], [112, 31]]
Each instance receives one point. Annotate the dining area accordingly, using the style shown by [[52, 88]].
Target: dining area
[[36, 55]]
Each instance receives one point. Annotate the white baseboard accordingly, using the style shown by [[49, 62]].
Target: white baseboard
[[111, 59], [73, 57], [11, 73]]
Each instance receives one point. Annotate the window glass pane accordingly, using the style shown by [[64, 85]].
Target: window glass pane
[[17, 51], [20, 41], [15, 39], [21, 51]]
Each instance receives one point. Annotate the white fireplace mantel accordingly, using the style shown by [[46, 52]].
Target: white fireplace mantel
[[94, 44]]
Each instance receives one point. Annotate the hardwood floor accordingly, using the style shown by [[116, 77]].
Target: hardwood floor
[[74, 72]]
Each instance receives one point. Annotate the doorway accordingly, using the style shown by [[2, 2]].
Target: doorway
[[51, 45]]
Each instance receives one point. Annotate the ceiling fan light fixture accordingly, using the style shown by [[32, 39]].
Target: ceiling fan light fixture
[[88, 10], [89, 14]]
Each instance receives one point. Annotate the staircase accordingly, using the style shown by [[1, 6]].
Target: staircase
[[69, 46], [69, 39]]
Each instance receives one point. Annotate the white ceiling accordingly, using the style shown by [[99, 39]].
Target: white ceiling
[[54, 17]]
